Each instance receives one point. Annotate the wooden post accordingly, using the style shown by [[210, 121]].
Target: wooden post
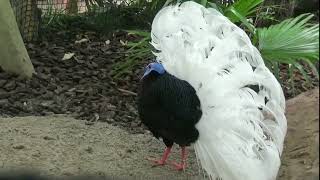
[[72, 6], [13, 53]]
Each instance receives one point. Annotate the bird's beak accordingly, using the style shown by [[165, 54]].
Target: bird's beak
[[146, 73]]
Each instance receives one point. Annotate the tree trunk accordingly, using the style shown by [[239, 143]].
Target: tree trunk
[[72, 6], [14, 57]]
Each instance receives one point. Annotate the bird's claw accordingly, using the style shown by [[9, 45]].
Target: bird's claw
[[157, 162], [179, 166]]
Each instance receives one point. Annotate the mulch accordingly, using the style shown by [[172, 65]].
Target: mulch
[[82, 86]]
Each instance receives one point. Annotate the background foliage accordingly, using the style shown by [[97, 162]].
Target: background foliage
[[285, 31], [293, 42]]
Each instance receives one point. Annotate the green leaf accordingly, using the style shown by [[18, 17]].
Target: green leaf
[[276, 70], [303, 72], [140, 33], [313, 68], [290, 40], [243, 20], [136, 52], [215, 6], [243, 8], [204, 3], [291, 76]]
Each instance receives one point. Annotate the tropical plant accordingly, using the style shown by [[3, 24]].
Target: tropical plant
[[294, 41], [290, 40], [234, 10], [137, 51], [241, 9]]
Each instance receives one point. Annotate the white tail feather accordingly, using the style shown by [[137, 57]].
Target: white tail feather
[[241, 136]]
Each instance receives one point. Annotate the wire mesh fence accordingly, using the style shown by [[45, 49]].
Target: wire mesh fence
[[29, 13], [28, 18], [62, 6]]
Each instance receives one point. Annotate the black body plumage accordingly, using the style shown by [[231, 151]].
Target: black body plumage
[[170, 108]]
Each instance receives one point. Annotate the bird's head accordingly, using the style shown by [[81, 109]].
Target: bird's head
[[154, 68]]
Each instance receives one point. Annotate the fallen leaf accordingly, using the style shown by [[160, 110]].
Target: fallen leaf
[[67, 56], [123, 43], [81, 41]]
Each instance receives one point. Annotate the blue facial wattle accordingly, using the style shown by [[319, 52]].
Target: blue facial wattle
[[157, 67]]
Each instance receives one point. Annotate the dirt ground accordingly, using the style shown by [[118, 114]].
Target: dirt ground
[[63, 146], [300, 160]]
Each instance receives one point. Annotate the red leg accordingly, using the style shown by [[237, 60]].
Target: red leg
[[164, 158], [182, 165]]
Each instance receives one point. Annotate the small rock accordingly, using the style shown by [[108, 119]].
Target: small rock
[[4, 101], [89, 123], [10, 85], [89, 149], [36, 154], [18, 146], [2, 82], [48, 138], [67, 174], [46, 103], [81, 41], [68, 56], [129, 150]]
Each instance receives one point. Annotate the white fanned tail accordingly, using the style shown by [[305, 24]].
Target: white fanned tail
[[243, 126]]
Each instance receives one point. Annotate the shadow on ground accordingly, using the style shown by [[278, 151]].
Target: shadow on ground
[[62, 146]]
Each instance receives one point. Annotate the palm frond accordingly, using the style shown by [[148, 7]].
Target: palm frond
[[289, 41], [314, 69], [243, 8], [135, 53], [243, 19]]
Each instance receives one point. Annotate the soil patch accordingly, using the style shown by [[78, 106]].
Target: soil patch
[[58, 146], [300, 159], [63, 146]]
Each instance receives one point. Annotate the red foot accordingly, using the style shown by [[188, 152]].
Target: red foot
[[157, 162], [179, 166], [163, 160]]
